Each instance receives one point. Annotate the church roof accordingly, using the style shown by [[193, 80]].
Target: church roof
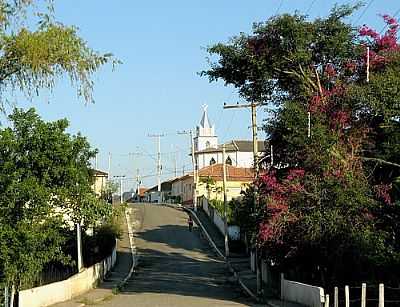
[[205, 122], [236, 145]]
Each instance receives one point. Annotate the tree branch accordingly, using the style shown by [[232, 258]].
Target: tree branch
[[380, 161]]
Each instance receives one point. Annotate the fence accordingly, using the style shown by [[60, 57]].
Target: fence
[[303, 294], [365, 296]]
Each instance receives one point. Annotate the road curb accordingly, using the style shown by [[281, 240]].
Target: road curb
[[133, 251], [220, 254]]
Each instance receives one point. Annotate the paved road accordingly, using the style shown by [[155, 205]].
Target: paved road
[[176, 267]]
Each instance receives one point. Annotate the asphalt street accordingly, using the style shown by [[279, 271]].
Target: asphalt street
[[175, 267]]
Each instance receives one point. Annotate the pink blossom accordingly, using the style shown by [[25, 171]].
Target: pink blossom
[[382, 191], [295, 174], [340, 119], [330, 71]]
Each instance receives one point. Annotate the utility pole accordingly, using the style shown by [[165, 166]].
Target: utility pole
[[109, 165], [121, 178], [79, 249], [176, 163], [96, 164], [225, 203], [195, 179], [159, 166], [253, 107], [138, 183]]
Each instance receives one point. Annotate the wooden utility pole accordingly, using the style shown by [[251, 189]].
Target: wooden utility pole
[[253, 107], [225, 203]]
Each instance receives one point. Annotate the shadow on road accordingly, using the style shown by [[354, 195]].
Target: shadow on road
[[177, 274], [174, 263]]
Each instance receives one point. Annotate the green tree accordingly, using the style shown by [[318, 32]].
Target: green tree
[[45, 184], [36, 51], [331, 209]]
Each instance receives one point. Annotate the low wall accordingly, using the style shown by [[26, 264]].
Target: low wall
[[67, 289], [219, 222], [304, 294], [205, 206]]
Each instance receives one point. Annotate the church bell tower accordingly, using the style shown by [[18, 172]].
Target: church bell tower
[[205, 133]]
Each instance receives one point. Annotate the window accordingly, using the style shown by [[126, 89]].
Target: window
[[208, 145], [228, 161], [212, 161]]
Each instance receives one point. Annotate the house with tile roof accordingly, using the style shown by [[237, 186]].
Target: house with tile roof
[[211, 183]]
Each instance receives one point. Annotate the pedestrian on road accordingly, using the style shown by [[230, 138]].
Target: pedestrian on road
[[190, 223]]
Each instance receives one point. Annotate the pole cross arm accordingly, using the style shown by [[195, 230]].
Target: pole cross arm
[[249, 105]]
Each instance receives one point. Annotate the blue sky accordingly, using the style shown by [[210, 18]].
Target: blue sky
[[157, 88]]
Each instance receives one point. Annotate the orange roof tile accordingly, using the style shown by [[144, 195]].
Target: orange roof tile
[[232, 173]]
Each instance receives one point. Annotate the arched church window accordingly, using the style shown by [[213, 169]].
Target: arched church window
[[208, 145], [212, 161], [228, 161]]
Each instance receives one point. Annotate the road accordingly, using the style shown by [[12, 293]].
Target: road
[[176, 268]]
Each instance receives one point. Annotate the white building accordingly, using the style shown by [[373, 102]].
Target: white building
[[239, 153]]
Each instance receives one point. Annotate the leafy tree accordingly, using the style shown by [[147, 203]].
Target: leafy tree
[[332, 209], [109, 189], [36, 51], [45, 185], [279, 59]]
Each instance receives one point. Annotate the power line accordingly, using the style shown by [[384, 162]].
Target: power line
[[229, 125], [310, 7], [364, 11], [279, 7]]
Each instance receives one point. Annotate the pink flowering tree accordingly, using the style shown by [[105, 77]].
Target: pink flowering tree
[[329, 203]]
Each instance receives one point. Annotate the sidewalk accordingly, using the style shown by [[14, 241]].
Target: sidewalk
[[238, 263], [105, 290]]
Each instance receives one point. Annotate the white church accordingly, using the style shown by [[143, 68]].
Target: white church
[[239, 153]]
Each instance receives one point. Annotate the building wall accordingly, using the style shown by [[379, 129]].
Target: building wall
[[239, 159], [99, 184], [177, 189], [233, 190], [187, 187], [201, 142], [184, 188], [245, 159]]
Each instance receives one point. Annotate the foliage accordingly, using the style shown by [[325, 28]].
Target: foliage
[[36, 51], [110, 188], [332, 209], [280, 57], [45, 176]]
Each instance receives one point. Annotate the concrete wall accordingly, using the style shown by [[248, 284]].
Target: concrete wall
[[304, 294], [65, 290], [219, 222], [205, 206]]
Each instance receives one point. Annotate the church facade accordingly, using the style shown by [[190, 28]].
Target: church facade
[[239, 153]]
